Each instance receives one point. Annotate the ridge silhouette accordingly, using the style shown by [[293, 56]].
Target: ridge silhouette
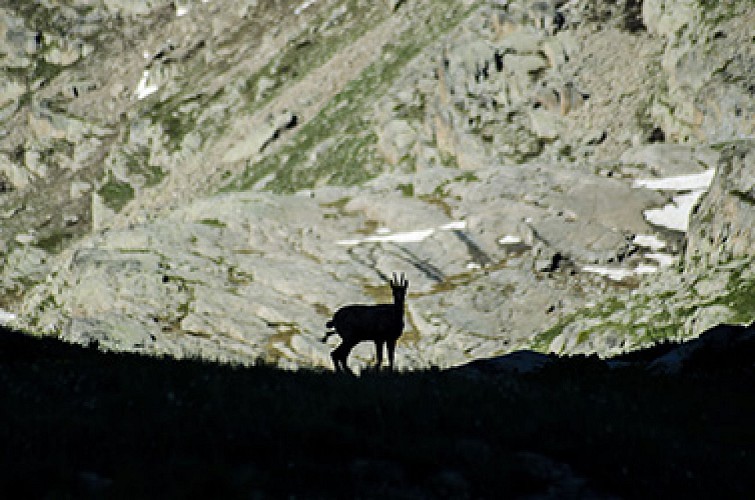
[[81, 423], [380, 323]]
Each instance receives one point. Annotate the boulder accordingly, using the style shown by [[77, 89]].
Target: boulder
[[669, 160], [10, 91], [17, 175], [395, 140], [667, 17], [581, 241]]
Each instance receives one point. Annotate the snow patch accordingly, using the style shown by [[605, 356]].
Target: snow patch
[[675, 215], [181, 10], [614, 273], [142, 89], [7, 318], [645, 269], [458, 224], [301, 8], [403, 237], [385, 235], [680, 182], [650, 241], [618, 273], [509, 240], [663, 259]]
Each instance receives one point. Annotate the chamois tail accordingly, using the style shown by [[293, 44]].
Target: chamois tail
[[329, 324]]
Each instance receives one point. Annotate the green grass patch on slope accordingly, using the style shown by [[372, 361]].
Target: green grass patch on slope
[[115, 194], [334, 29], [647, 318], [308, 50], [350, 157]]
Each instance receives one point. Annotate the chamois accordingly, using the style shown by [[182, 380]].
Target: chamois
[[381, 323]]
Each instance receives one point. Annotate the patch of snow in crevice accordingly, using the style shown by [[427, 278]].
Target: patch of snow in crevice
[[458, 224], [645, 269], [404, 237], [663, 259], [385, 235], [181, 10], [7, 318], [509, 240], [618, 273], [301, 8], [675, 215], [142, 89], [650, 241], [614, 273], [680, 182]]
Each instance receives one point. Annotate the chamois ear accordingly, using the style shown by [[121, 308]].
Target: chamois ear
[[403, 283]]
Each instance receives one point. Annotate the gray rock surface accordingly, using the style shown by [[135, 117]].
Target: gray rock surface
[[721, 226]]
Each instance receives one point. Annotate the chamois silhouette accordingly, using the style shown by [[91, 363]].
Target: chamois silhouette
[[380, 323]]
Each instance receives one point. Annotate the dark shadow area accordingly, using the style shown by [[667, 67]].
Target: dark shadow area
[[75, 422]]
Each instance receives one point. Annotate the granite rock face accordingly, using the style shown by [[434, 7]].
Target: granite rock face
[[709, 60], [721, 227], [180, 178]]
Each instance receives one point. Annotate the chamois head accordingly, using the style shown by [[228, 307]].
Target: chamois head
[[398, 288]]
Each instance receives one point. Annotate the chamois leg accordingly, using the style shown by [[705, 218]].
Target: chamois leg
[[391, 347], [340, 354], [378, 354], [334, 357]]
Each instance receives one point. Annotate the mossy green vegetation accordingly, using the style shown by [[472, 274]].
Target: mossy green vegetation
[[351, 156], [213, 223], [137, 165], [338, 27], [406, 189], [467, 177], [44, 70], [716, 12], [739, 297], [55, 242], [178, 116], [78, 423], [174, 122], [115, 194], [645, 318]]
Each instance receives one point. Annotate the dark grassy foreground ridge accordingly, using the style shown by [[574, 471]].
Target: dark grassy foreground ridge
[[75, 422]]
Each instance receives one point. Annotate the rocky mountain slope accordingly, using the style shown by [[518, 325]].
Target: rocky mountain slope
[[215, 178]]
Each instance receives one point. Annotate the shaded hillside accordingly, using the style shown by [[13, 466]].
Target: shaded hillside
[[77, 422]]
